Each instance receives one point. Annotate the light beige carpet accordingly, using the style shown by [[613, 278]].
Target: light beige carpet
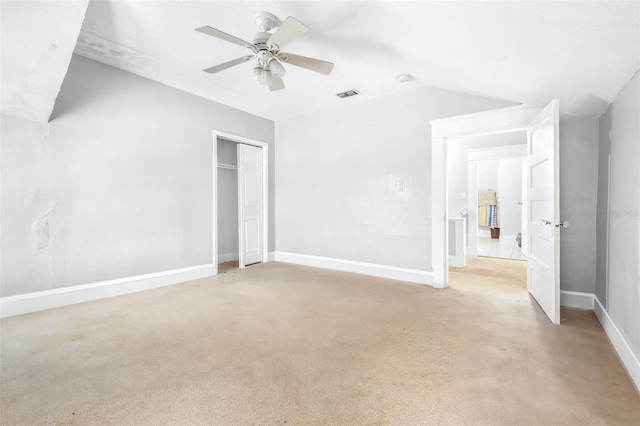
[[278, 344]]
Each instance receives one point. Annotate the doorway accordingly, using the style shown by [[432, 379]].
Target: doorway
[[542, 202], [240, 187], [484, 175], [227, 212], [495, 201]]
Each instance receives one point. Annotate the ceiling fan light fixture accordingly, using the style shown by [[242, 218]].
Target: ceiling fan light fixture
[[257, 73], [267, 79], [264, 77], [276, 68]]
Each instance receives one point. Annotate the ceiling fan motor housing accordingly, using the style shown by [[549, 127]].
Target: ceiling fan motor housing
[[260, 40]]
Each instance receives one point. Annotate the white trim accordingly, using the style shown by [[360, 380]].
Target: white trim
[[577, 299], [272, 256], [364, 268], [265, 191], [459, 258], [439, 213], [55, 298], [227, 257], [503, 120], [628, 356], [497, 152]]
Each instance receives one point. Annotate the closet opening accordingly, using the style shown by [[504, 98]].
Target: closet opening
[[240, 188], [227, 212]]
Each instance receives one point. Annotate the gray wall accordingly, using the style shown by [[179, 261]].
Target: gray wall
[[337, 171], [487, 175], [117, 184], [620, 136], [603, 206], [228, 244], [578, 198]]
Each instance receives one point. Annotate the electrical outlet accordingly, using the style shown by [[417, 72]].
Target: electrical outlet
[[399, 185]]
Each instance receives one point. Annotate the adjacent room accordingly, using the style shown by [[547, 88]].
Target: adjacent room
[[319, 212]]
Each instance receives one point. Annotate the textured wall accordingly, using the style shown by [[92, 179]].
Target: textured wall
[[338, 172], [118, 184], [228, 244], [620, 136], [578, 197]]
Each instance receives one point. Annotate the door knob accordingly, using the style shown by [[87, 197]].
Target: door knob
[[545, 222], [563, 223]]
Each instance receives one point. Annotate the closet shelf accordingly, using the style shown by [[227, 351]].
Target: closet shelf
[[227, 166]]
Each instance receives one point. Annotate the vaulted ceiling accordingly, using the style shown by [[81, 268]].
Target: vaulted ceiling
[[38, 39], [526, 52]]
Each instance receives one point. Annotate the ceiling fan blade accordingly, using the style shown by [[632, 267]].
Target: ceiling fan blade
[[288, 31], [323, 67], [229, 64], [277, 84], [224, 36]]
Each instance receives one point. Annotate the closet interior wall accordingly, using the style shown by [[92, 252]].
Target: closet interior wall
[[228, 246]]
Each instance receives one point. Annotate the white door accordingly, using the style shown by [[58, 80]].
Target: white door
[[523, 209], [250, 204], [543, 211]]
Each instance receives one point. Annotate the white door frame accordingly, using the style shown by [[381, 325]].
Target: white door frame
[[265, 190], [479, 124]]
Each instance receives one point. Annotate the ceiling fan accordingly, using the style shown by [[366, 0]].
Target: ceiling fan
[[266, 46]]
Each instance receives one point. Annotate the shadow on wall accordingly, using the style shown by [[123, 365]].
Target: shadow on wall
[[86, 91]]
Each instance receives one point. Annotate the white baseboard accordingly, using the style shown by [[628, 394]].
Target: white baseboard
[[576, 299], [271, 256], [629, 357], [228, 257], [458, 262], [376, 270], [55, 298]]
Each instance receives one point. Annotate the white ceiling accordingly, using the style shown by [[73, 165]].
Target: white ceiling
[[38, 39], [582, 52]]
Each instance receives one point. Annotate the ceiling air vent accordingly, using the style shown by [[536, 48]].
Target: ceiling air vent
[[348, 93]]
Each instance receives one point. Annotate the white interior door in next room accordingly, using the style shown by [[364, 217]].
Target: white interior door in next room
[[250, 204], [543, 211]]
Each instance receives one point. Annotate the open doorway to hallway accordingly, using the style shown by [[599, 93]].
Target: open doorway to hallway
[[486, 190], [542, 204], [496, 174]]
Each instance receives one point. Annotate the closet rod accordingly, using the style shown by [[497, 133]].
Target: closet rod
[[227, 166]]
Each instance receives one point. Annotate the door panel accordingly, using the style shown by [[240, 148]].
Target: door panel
[[524, 242], [250, 204], [543, 211]]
